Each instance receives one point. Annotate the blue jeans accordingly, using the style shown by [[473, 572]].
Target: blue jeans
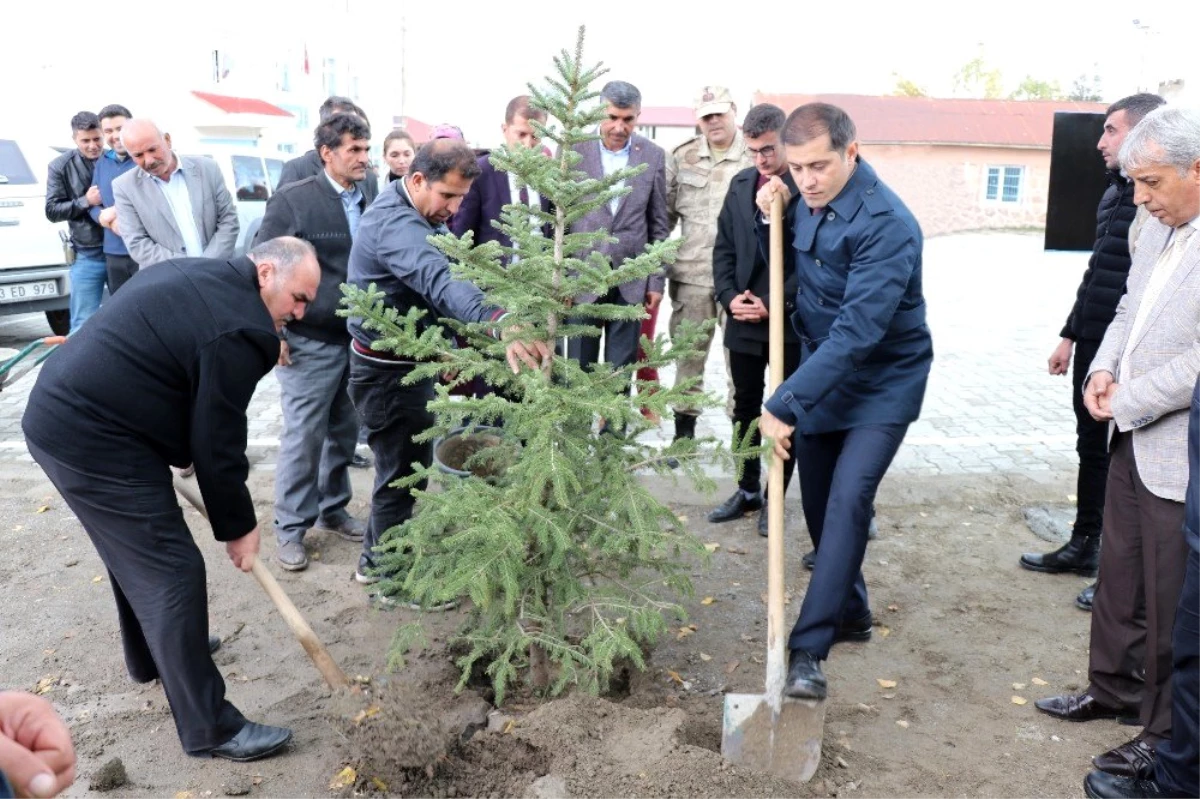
[[88, 276]]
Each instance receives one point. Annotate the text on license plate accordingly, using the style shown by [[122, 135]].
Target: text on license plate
[[16, 292]]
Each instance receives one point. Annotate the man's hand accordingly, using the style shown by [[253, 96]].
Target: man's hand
[[653, 298], [746, 307], [779, 433], [1060, 359], [285, 353], [93, 195], [530, 353], [108, 217], [35, 745], [767, 193], [1097, 390], [242, 551]]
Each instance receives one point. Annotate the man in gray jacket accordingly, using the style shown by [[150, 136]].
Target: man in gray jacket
[[392, 250], [169, 207]]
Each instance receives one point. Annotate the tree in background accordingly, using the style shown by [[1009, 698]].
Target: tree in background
[[976, 79], [1032, 89]]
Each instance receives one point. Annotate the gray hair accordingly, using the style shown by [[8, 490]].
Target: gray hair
[[1169, 135], [286, 252], [621, 94]]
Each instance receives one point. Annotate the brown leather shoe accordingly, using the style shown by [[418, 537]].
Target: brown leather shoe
[[1134, 759], [1083, 707]]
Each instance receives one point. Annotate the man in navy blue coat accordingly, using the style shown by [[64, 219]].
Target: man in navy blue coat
[[865, 359]]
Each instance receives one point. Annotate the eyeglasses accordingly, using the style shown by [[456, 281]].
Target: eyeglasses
[[765, 152]]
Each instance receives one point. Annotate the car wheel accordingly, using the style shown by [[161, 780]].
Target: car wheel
[[60, 321]]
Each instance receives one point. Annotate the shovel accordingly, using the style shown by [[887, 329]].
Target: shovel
[[333, 674], [768, 732]]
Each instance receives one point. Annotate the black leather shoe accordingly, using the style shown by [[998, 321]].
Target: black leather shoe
[[735, 507], [214, 643], [805, 679], [1083, 707], [764, 525], [855, 629], [1085, 598], [1080, 555], [253, 742], [809, 561], [1102, 785], [1133, 759]]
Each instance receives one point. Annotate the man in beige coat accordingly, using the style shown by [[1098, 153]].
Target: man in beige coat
[[1141, 381], [699, 172]]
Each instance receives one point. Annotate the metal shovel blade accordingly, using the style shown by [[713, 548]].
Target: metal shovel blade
[[786, 744]]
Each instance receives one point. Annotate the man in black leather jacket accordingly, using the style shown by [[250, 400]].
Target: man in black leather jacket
[[69, 196], [1101, 289]]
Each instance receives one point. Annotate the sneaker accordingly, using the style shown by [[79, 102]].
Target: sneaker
[[365, 573], [391, 602], [291, 556], [350, 528]]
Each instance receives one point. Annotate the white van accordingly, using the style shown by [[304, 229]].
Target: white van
[[34, 277], [251, 177]]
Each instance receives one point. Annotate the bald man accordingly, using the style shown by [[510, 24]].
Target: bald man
[[161, 376], [171, 207]]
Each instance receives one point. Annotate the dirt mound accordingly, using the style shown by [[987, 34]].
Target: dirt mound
[[602, 749]]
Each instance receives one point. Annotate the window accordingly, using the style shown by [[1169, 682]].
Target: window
[[14, 169], [274, 171], [1004, 183], [249, 177]]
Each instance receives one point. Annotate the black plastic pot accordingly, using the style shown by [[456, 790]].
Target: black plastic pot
[[454, 449]]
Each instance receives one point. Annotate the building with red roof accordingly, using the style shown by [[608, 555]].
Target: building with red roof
[[958, 164]]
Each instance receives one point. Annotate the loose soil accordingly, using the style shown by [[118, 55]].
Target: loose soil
[[961, 630]]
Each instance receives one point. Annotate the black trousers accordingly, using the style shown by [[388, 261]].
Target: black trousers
[[839, 475], [748, 370], [120, 269], [1142, 565], [1091, 443], [391, 414], [620, 338], [157, 576], [1178, 767]]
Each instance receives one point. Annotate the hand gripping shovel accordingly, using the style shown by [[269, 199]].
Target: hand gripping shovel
[[333, 674], [767, 732]]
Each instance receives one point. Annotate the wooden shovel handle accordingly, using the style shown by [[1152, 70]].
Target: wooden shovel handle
[[333, 674], [775, 563]]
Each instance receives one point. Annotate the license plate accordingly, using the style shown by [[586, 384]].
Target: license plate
[[17, 292]]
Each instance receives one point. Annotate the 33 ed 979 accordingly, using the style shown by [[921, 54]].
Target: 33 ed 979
[[16, 292]]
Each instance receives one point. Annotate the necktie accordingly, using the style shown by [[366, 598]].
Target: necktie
[[523, 195]]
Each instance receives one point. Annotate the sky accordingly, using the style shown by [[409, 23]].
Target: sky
[[464, 60]]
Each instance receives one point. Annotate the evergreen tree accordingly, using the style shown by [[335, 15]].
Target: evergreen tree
[[571, 565]]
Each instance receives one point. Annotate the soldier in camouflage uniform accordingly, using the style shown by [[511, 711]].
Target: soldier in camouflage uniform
[[698, 175]]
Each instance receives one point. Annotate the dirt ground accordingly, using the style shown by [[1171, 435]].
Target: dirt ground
[[961, 630]]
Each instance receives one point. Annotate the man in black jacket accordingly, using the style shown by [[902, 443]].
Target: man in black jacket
[[69, 196], [162, 377], [310, 164], [320, 427], [742, 283], [1096, 301]]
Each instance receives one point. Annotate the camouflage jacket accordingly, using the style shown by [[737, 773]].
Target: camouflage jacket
[[696, 189]]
